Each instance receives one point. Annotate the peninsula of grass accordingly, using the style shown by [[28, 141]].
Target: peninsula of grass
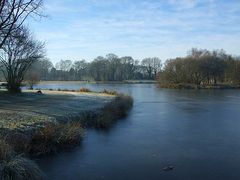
[[34, 124]]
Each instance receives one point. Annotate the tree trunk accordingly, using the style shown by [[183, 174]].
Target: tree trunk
[[14, 88]]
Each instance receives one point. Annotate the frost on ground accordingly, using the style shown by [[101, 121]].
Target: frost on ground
[[30, 109]]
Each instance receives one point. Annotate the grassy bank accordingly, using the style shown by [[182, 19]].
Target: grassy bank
[[34, 125]]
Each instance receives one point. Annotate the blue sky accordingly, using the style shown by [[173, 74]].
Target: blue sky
[[85, 29]]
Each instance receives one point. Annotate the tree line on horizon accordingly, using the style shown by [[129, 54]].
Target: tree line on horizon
[[108, 68], [201, 67]]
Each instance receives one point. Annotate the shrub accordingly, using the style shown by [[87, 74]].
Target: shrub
[[114, 110], [54, 136], [110, 92], [69, 134], [43, 141], [85, 90]]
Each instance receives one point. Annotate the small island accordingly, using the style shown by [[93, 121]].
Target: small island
[[201, 69]]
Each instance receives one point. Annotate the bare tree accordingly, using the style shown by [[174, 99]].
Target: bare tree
[[13, 13], [80, 68], [127, 67], [44, 66], [20, 51], [152, 66], [157, 65], [32, 78], [64, 65]]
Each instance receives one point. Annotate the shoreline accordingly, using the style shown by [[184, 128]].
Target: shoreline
[[2, 83], [105, 82], [199, 87], [40, 124]]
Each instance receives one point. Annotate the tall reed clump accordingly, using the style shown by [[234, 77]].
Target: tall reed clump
[[53, 137], [48, 139], [16, 167], [117, 108], [85, 90]]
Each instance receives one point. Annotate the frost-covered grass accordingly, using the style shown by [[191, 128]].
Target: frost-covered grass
[[22, 120], [43, 123], [39, 124], [30, 110]]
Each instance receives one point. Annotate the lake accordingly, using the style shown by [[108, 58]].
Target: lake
[[195, 131]]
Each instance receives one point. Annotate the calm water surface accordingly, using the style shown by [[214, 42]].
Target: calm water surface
[[197, 132]]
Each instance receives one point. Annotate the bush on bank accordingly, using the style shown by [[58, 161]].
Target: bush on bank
[[53, 137], [112, 111]]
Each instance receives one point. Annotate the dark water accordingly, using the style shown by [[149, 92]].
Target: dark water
[[197, 132]]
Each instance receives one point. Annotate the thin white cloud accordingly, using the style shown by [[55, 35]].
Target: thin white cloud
[[161, 28]]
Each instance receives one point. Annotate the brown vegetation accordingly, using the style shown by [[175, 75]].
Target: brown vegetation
[[85, 90], [54, 137], [114, 110]]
